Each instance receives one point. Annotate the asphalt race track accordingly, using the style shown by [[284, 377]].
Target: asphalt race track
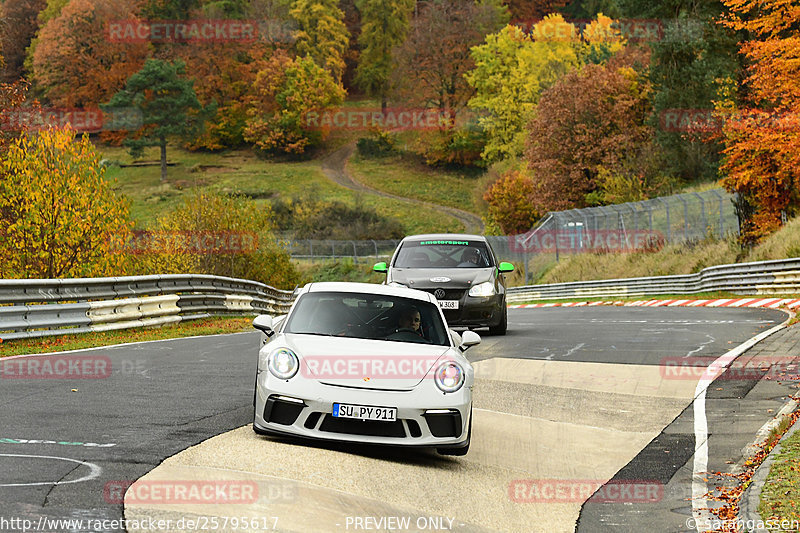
[[576, 396]]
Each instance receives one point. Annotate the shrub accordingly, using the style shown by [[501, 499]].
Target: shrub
[[253, 254]]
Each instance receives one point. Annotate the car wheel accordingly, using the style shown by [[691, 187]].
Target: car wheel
[[463, 449], [500, 329]]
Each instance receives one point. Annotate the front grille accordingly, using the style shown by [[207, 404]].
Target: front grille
[[449, 294], [369, 428]]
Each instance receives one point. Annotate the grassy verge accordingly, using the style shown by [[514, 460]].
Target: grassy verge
[[411, 179], [208, 326], [685, 258], [241, 171], [780, 497], [699, 296]]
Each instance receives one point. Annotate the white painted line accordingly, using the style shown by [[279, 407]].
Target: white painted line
[[94, 471], [696, 303], [700, 467]]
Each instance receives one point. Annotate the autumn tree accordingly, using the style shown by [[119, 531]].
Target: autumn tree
[[435, 56], [75, 62], [18, 27], [384, 27], [511, 70], [589, 121], [510, 200], [322, 34], [168, 105], [288, 93], [762, 144], [533, 10], [58, 212], [690, 55], [224, 73]]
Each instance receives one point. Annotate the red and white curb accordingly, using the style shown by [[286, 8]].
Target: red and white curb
[[790, 303]]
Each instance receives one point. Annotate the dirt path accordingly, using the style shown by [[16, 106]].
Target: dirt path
[[334, 166]]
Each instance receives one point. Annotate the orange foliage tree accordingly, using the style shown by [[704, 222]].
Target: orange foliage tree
[[510, 202], [76, 63], [224, 73], [762, 145]]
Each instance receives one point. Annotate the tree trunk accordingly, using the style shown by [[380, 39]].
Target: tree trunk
[[163, 160]]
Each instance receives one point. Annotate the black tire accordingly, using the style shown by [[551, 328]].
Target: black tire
[[461, 451], [502, 327]]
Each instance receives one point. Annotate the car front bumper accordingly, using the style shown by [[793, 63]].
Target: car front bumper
[[302, 407], [476, 312]]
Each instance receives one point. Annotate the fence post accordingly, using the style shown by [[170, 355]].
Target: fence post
[[685, 217], [355, 253], [703, 213], [721, 232]]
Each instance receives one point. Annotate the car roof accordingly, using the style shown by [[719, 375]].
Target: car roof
[[445, 236], [368, 288]]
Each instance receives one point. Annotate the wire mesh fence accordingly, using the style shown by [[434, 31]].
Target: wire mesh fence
[[633, 225], [645, 225], [310, 249]]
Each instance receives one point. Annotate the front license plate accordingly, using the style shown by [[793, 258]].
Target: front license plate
[[365, 412], [448, 304]]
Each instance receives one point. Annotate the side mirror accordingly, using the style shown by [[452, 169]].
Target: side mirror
[[469, 338], [264, 323], [381, 267], [505, 266]]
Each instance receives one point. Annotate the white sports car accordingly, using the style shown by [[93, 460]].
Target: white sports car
[[366, 363]]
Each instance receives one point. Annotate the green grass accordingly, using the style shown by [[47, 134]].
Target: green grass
[[780, 497], [241, 171], [208, 326], [699, 296], [405, 177]]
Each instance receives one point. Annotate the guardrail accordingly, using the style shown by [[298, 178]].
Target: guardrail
[[780, 276], [40, 307]]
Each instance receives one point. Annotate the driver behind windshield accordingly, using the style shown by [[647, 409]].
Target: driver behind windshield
[[409, 321], [471, 257]]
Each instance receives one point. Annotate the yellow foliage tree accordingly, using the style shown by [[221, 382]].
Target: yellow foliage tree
[[59, 216]]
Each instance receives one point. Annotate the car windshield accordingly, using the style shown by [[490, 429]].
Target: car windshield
[[443, 254], [367, 316]]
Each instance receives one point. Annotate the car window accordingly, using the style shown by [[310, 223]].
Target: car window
[[365, 316], [443, 254]]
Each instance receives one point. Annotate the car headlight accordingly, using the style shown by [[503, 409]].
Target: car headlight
[[482, 289], [283, 363], [449, 376]]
